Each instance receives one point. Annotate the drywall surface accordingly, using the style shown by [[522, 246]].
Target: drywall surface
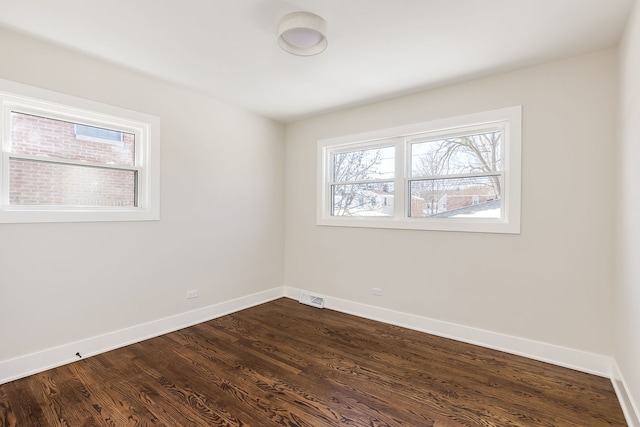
[[551, 283], [221, 227], [627, 291]]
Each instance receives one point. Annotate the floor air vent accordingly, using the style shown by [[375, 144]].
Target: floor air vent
[[313, 300]]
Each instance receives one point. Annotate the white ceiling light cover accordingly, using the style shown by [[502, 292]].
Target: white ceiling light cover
[[302, 33]]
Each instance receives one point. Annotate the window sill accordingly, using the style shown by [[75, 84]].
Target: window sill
[[425, 224]]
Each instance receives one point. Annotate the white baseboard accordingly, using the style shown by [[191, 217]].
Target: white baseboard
[[569, 358], [629, 408], [29, 364]]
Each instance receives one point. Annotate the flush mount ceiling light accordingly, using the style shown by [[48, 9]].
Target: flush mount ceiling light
[[302, 33]]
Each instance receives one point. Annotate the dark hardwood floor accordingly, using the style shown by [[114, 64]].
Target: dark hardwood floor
[[288, 364]]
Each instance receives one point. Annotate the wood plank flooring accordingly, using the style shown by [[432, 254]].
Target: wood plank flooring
[[288, 364]]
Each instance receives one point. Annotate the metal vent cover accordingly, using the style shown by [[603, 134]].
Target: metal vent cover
[[312, 300]]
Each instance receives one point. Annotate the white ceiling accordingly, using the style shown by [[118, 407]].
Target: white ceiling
[[377, 48]]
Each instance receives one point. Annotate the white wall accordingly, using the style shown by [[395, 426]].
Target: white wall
[[221, 227], [627, 292], [551, 283]]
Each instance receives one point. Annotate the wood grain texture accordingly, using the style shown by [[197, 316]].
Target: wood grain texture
[[288, 364]]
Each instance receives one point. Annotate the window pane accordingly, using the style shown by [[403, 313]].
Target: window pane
[[42, 136], [34, 183], [477, 197], [364, 165], [375, 199], [480, 153]]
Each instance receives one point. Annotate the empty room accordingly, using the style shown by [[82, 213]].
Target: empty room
[[320, 213]]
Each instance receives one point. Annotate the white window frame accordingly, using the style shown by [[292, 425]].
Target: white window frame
[[508, 120], [146, 128]]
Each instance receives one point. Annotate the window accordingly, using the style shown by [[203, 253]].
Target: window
[[68, 159], [457, 174]]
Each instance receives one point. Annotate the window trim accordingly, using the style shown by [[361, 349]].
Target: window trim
[[508, 119], [146, 128]]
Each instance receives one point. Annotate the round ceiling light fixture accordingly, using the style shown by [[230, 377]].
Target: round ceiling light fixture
[[302, 33]]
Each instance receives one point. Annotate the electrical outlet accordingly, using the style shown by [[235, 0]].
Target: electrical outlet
[[192, 294], [377, 291]]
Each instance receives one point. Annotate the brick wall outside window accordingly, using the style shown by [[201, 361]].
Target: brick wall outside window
[[55, 184]]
